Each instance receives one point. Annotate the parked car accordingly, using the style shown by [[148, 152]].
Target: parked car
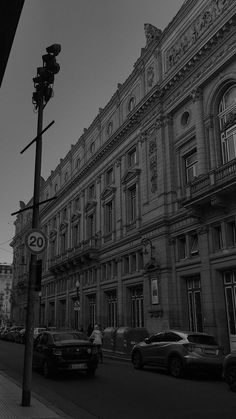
[[64, 350], [12, 332], [179, 351], [229, 370]]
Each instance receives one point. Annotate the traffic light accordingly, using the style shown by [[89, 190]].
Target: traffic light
[[45, 75]]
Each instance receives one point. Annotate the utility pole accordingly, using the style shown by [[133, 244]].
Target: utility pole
[[43, 85]]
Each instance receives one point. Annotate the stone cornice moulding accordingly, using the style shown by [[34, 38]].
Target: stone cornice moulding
[[200, 74], [193, 60]]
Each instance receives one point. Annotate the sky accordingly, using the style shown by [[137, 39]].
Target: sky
[[100, 42]]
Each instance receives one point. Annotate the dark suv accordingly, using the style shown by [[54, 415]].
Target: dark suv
[[229, 370], [64, 350]]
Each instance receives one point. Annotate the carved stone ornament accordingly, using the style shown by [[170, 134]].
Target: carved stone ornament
[[150, 76], [151, 33], [205, 20], [63, 226], [52, 234], [75, 217], [153, 164], [130, 175], [109, 191]]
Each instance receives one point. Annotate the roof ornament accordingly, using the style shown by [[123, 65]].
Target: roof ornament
[[151, 33]]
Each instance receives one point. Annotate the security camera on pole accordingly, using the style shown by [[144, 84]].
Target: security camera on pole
[[35, 239]]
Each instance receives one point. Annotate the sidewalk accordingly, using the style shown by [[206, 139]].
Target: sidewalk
[[10, 403]]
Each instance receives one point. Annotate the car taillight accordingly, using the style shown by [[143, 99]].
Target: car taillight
[[56, 351]]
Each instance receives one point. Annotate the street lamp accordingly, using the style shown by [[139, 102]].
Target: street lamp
[[77, 284], [40, 296]]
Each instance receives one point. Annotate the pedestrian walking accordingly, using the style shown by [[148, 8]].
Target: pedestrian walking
[[96, 338]]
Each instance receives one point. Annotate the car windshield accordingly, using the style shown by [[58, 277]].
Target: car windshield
[[202, 339], [59, 337]]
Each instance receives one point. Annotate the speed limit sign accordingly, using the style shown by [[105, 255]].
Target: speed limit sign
[[36, 241]]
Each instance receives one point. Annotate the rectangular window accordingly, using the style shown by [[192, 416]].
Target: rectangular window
[[182, 247], [53, 248], [115, 268], [109, 176], [91, 191], [92, 309], [75, 235], [77, 204], [132, 157], [140, 260], [133, 262], [64, 242], [218, 239], [126, 265], [132, 204], [137, 315], [231, 233], [229, 278], [228, 141], [91, 226], [112, 309], [108, 217], [194, 304], [191, 166], [194, 248]]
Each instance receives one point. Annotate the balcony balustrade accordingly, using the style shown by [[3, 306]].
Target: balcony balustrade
[[77, 255], [221, 180]]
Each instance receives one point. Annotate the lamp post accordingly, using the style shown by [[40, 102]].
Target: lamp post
[[40, 296], [77, 284]]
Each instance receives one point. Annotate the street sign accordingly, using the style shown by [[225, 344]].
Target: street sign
[[36, 241]]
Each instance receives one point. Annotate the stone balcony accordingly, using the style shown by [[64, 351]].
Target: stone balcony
[[211, 188], [85, 252]]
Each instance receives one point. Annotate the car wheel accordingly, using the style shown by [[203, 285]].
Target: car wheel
[[176, 367], [230, 376], [137, 360], [47, 372]]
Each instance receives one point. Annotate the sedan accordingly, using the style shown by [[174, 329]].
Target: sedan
[[64, 350], [179, 351], [229, 370]]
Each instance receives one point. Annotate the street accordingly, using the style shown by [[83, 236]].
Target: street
[[120, 392]]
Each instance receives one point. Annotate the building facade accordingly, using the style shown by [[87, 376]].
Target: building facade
[[5, 293], [143, 232]]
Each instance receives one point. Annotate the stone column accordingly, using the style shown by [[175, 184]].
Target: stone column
[[200, 131]]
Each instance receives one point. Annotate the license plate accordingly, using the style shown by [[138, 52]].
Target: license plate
[[78, 366], [210, 351]]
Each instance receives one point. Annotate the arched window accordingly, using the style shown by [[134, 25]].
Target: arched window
[[227, 121]]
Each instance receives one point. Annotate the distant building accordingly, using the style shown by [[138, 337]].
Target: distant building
[[5, 292], [143, 229]]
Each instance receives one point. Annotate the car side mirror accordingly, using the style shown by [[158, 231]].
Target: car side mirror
[[147, 340]]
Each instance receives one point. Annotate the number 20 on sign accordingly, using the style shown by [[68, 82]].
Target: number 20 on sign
[[36, 241]]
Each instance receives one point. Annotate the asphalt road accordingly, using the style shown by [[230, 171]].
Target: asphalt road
[[120, 392]]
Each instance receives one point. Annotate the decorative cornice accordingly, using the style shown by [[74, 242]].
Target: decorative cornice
[[205, 20]]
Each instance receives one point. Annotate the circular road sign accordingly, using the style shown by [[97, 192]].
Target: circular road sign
[[36, 241]]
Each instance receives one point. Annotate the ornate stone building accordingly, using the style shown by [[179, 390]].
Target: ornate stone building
[[5, 293], [143, 228]]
